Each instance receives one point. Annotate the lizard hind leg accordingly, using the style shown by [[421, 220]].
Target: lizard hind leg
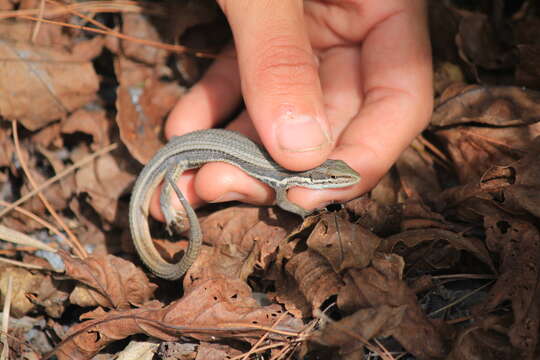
[[174, 220]]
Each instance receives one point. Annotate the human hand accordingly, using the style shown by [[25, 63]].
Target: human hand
[[339, 79]]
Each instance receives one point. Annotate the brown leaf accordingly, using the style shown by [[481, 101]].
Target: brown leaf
[[380, 285], [493, 105], [210, 351], [88, 50], [482, 44], [38, 84], [475, 343], [104, 181], [528, 69], [142, 103], [475, 149], [51, 295], [416, 172], [375, 217], [139, 26], [413, 238], [111, 281], [214, 309], [343, 244], [49, 35], [92, 122], [358, 328], [306, 279], [7, 148], [23, 283], [518, 243], [244, 238], [49, 135]]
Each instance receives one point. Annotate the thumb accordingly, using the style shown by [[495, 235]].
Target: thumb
[[280, 80]]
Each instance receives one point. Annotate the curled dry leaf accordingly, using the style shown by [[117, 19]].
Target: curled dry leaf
[[482, 44], [381, 284], [437, 256], [515, 186], [7, 148], [523, 176], [215, 309], [356, 329], [518, 245], [416, 172], [88, 49], [483, 341], [306, 279], [211, 351], [493, 105], [24, 282], [139, 26], [528, 69], [93, 122], [243, 238], [375, 217], [475, 149], [142, 103], [49, 35], [38, 84], [343, 244], [109, 281], [104, 181], [51, 295]]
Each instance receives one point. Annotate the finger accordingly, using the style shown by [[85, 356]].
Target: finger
[[209, 101], [216, 182], [397, 103], [186, 184], [279, 79], [341, 83]]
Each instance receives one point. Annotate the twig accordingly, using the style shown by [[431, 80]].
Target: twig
[[5, 319], [77, 247], [18, 237], [58, 176], [382, 352], [100, 6], [38, 23], [457, 301], [255, 348], [36, 218], [25, 265], [173, 48]]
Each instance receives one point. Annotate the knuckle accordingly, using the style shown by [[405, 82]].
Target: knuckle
[[282, 66]]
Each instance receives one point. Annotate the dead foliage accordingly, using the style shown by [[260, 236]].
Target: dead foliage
[[440, 261]]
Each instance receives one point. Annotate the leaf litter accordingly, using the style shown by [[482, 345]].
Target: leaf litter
[[439, 261]]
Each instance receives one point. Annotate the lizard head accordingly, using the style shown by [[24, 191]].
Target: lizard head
[[332, 174]]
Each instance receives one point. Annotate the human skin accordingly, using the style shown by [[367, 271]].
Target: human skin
[[339, 79]]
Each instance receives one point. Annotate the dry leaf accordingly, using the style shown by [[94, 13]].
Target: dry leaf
[[92, 122], [493, 105], [518, 244], [104, 181], [213, 309], [38, 84], [381, 284], [109, 281], [24, 283], [244, 238], [142, 103]]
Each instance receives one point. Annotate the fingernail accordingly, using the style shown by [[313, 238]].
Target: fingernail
[[230, 196], [301, 133]]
